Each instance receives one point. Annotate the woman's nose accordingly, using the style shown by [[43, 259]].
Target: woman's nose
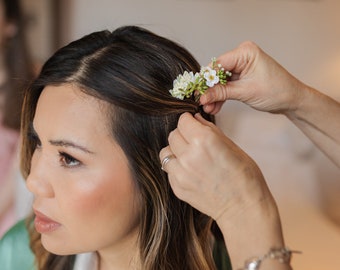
[[37, 181]]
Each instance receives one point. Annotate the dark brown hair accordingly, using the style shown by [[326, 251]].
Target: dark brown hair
[[133, 69]]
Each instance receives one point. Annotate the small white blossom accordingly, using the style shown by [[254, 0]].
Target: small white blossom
[[211, 77], [204, 70]]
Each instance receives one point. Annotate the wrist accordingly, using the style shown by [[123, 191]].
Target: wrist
[[251, 200], [262, 213], [252, 232], [276, 258], [298, 100]]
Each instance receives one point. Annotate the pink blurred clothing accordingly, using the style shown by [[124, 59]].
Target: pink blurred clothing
[[8, 148]]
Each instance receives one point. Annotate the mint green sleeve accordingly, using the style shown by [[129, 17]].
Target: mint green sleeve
[[15, 253]]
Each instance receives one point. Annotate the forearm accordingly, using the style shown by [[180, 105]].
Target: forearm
[[252, 233], [318, 117]]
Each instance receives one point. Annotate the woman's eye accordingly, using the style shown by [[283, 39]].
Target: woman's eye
[[68, 161]]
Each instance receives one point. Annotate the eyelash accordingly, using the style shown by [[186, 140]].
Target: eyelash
[[66, 160]]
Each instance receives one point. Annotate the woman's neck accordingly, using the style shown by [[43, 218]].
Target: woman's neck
[[120, 262], [123, 256], [107, 264]]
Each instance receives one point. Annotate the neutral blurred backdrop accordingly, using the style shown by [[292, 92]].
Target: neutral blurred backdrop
[[303, 35]]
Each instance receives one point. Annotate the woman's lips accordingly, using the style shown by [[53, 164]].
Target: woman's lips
[[44, 224]]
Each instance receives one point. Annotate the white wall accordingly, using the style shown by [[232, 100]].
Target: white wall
[[304, 36]]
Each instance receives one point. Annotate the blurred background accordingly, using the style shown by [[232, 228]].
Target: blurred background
[[303, 35]]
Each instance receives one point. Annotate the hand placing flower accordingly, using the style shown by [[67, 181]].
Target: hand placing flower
[[187, 84]]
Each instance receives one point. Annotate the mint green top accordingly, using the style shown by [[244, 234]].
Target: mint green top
[[15, 253]]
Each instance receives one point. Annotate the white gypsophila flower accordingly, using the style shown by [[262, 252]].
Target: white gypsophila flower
[[183, 80], [177, 93], [197, 75], [210, 75], [181, 83], [204, 70]]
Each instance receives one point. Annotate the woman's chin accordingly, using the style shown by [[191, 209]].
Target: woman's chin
[[56, 247]]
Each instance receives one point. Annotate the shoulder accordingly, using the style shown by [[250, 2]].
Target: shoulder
[[15, 252]]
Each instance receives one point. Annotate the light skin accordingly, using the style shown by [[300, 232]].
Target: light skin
[[216, 177], [80, 178], [262, 83]]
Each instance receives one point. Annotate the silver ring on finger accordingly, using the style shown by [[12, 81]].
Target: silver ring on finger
[[166, 160]]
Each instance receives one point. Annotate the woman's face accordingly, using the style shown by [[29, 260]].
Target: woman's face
[[84, 196]]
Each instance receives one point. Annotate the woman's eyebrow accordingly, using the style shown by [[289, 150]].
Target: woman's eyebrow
[[66, 143], [63, 143]]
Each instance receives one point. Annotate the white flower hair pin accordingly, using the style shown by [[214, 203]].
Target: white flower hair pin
[[188, 83]]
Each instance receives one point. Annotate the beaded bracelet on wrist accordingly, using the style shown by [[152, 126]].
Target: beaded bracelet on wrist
[[282, 255]]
